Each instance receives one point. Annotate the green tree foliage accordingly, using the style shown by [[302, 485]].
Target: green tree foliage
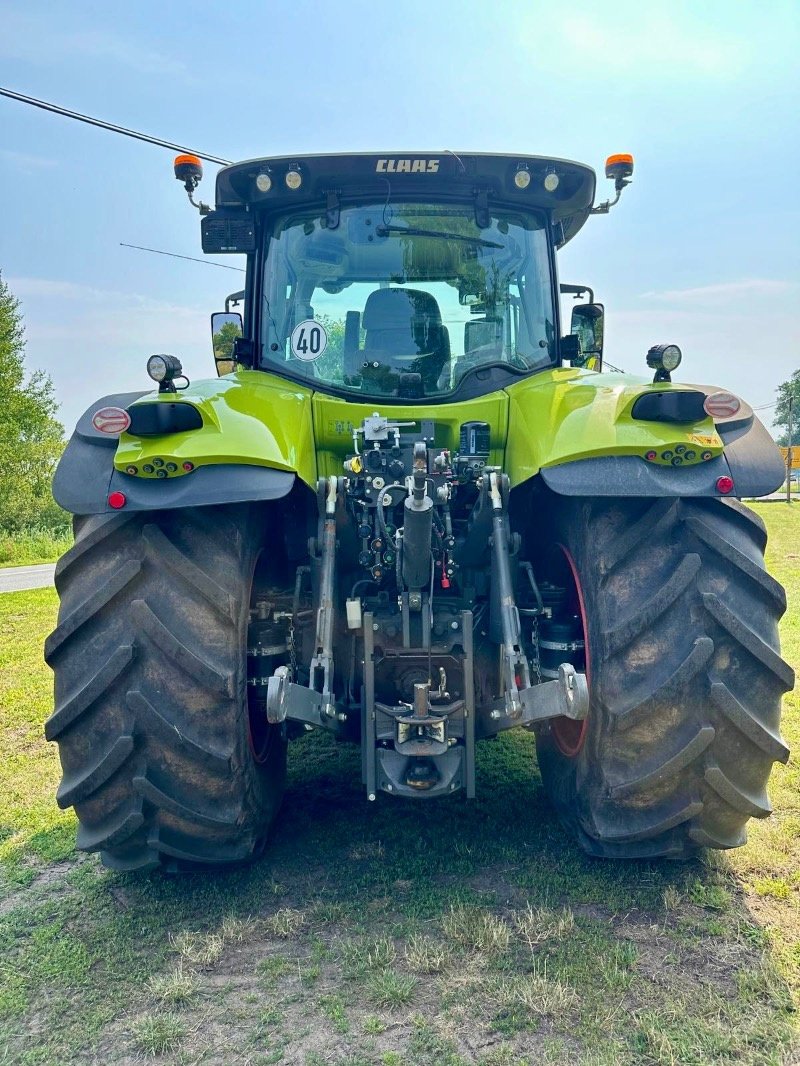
[[330, 365], [223, 341], [31, 439], [789, 389]]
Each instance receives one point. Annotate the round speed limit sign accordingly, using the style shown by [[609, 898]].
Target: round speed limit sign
[[309, 340]]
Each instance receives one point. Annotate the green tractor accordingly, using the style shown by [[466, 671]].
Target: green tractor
[[414, 511]]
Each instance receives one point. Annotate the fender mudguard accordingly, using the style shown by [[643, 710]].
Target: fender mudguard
[[86, 475], [751, 458]]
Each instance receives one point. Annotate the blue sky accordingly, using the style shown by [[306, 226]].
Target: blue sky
[[702, 251]]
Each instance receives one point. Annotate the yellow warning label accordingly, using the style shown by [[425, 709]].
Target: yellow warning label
[[706, 440]]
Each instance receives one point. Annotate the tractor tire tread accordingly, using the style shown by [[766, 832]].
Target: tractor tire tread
[[687, 678], [151, 711]]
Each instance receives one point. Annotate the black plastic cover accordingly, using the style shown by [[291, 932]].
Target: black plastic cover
[[158, 419], [421, 175], [628, 475], [228, 231], [669, 406]]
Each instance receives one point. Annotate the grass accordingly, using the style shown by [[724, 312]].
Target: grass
[[35, 545], [388, 933]]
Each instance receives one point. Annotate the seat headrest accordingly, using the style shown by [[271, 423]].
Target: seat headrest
[[398, 308]]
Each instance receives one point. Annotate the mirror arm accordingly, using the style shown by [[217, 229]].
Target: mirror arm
[[244, 351], [603, 209], [577, 291]]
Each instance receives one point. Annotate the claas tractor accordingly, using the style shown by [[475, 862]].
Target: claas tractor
[[414, 510]]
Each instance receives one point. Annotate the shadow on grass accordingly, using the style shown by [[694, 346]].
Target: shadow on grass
[[396, 868], [330, 843]]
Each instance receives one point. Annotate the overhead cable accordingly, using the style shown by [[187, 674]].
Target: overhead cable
[[174, 255], [57, 110]]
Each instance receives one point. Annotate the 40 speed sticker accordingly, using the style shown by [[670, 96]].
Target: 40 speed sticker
[[309, 340]]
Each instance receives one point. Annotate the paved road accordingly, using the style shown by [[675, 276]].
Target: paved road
[[16, 578]]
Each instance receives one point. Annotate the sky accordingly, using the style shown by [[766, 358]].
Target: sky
[[703, 250]]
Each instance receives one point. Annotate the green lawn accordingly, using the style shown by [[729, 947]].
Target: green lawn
[[33, 546], [387, 934]]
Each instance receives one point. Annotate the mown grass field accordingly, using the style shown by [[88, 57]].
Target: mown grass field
[[385, 934]]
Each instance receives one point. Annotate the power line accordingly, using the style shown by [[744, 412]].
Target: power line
[[174, 255], [57, 110]]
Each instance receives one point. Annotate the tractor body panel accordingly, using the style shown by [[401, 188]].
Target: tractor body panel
[[574, 427]]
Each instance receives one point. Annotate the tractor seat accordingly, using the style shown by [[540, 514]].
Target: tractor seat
[[404, 332]]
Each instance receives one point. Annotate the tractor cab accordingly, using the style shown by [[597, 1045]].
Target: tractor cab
[[420, 278]]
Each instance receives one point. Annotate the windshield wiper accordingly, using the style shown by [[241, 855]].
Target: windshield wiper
[[384, 231]]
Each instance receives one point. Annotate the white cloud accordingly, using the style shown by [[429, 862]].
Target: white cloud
[[26, 162], [658, 42], [39, 40], [749, 288]]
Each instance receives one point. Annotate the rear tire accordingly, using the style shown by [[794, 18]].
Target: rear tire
[[151, 710], [685, 677]]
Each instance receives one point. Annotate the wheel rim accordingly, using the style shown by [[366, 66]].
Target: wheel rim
[[568, 735], [260, 733]]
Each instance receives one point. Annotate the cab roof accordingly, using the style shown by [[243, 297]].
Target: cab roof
[[446, 175]]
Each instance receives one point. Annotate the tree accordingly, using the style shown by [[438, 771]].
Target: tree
[[31, 439], [223, 341], [790, 388]]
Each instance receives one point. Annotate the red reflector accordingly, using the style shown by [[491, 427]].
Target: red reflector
[[721, 405], [725, 484], [650, 456], [188, 466], [117, 500], [111, 420]]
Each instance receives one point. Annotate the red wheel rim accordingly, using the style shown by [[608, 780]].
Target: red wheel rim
[[569, 736], [259, 733]]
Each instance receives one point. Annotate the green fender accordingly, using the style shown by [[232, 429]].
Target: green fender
[[255, 433]]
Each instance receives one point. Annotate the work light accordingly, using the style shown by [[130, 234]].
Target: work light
[[164, 369], [664, 357]]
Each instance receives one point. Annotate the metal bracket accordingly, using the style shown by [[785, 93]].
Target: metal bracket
[[285, 700], [321, 668], [482, 216], [332, 209], [516, 673], [566, 697]]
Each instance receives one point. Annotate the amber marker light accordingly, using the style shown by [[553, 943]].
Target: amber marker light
[[620, 168], [189, 170]]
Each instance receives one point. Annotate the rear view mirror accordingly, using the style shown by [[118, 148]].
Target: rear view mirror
[[587, 326], [226, 328]]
